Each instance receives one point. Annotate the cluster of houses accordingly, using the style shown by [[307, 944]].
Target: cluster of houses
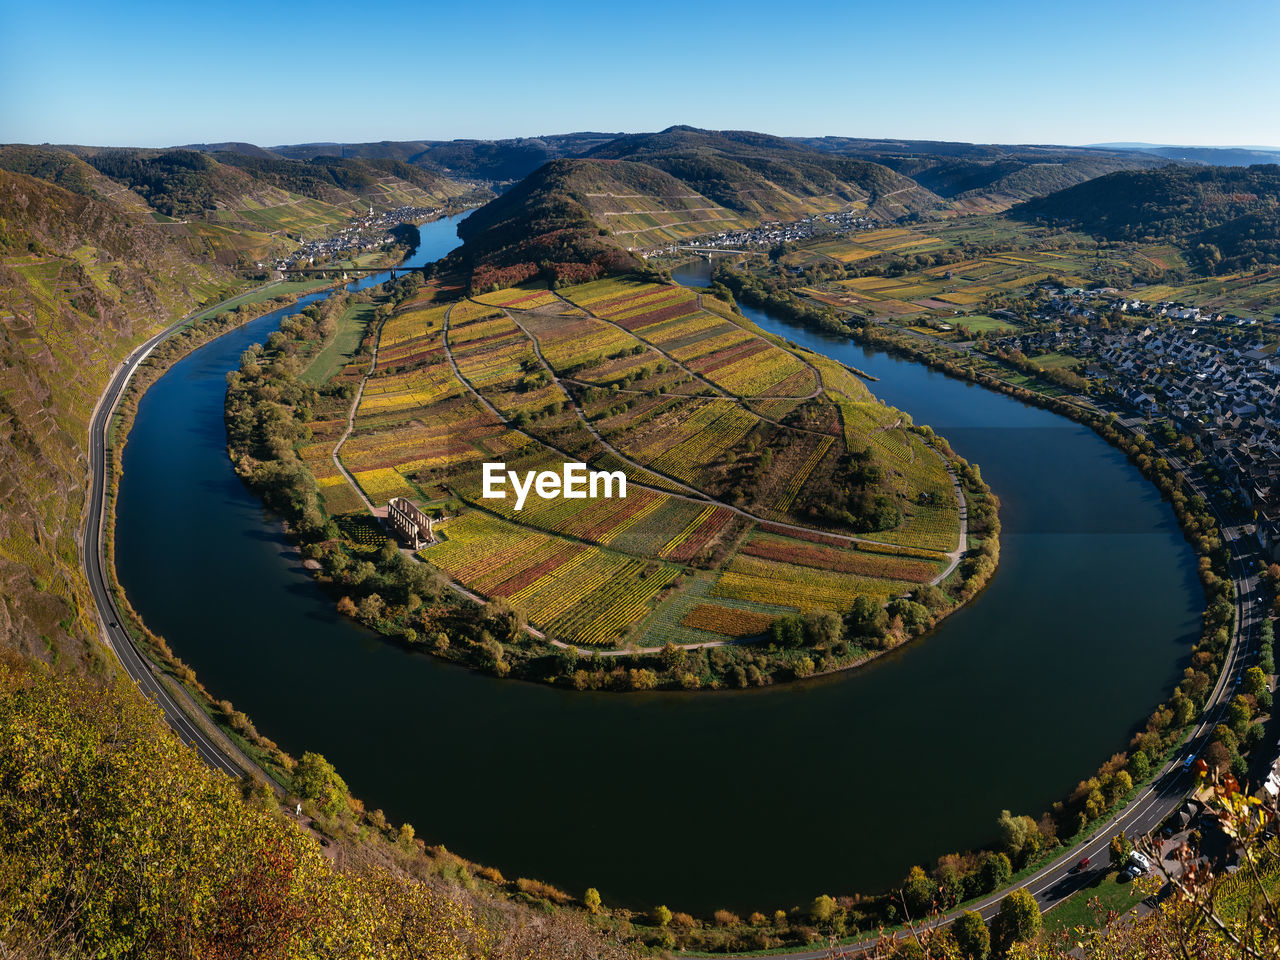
[[771, 234], [1088, 304], [1219, 385], [360, 235]]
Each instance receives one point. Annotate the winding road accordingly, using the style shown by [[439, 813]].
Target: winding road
[[1171, 785], [1050, 885], [220, 755]]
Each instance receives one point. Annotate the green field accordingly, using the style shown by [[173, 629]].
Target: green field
[[1055, 361], [980, 323], [339, 350], [1076, 912]]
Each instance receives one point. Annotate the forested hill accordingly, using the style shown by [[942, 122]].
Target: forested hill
[[729, 166], [494, 160], [755, 174], [239, 206], [564, 222], [182, 182], [766, 177], [577, 218], [1227, 218], [81, 282], [982, 176]]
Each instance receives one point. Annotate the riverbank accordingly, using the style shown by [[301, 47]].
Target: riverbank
[[326, 810], [397, 698], [1170, 723], [271, 404], [229, 728]]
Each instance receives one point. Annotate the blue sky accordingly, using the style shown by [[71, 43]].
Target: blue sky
[[152, 74]]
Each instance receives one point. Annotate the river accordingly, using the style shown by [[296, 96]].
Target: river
[[744, 800]]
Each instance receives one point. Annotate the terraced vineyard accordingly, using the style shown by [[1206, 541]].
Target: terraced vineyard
[[983, 258], [734, 446]]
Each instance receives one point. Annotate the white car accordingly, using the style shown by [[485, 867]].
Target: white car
[[1136, 865]]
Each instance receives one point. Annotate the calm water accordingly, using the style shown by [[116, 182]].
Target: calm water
[[743, 800]]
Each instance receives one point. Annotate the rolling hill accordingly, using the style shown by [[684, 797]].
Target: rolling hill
[[498, 161], [755, 174], [987, 177], [1226, 218], [238, 207], [769, 178], [640, 193], [1213, 156], [729, 166], [81, 282], [558, 222]]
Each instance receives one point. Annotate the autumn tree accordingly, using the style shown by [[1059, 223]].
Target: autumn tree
[[1018, 919], [973, 939]]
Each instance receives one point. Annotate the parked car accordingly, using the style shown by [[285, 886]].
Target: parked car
[[1136, 866]]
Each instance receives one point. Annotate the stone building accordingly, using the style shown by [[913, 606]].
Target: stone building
[[410, 524]]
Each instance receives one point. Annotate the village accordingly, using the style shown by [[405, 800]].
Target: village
[[361, 235], [1213, 376], [773, 234]]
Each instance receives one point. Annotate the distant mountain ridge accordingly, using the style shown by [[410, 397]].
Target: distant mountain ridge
[[768, 177], [569, 210], [494, 160], [979, 176], [1233, 156], [989, 176]]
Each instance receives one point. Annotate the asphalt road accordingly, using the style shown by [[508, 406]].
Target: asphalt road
[[117, 638], [1173, 783], [1050, 885]]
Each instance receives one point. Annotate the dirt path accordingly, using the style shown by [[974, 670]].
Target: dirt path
[[351, 423], [692, 494]]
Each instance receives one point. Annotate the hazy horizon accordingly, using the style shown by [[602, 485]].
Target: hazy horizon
[[1113, 145]]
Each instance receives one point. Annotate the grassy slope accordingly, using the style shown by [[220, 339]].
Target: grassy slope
[[232, 208], [77, 297], [1076, 911], [338, 351]]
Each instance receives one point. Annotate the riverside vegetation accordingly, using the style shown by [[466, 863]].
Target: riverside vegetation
[[669, 565], [1028, 842], [79, 724], [957, 877], [196, 866], [193, 864]]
